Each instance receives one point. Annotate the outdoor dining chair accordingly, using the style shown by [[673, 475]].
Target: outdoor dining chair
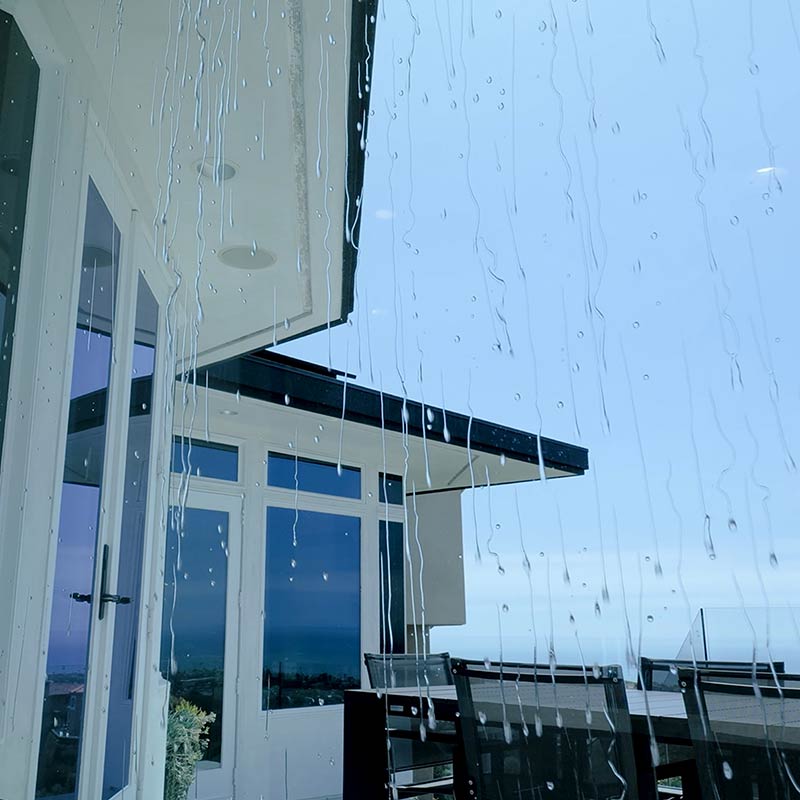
[[532, 735], [417, 766], [746, 736], [661, 674], [389, 671]]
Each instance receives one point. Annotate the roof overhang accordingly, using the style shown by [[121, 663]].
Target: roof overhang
[[283, 100], [445, 451]]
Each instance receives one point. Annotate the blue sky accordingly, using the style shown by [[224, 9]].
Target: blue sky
[[580, 218]]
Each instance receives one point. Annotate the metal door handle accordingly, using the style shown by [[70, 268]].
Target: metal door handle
[[105, 597], [114, 598]]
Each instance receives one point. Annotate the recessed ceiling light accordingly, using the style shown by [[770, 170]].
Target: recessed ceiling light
[[217, 171], [228, 413], [244, 256]]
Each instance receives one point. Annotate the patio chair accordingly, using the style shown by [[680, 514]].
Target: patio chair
[[415, 766], [514, 666], [390, 671], [746, 737], [661, 674], [530, 736]]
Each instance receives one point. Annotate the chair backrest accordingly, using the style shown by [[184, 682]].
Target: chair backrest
[[522, 666], [746, 737], [661, 674], [530, 734], [390, 671]]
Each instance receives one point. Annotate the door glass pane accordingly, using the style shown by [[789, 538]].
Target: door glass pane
[[126, 617], [19, 80], [193, 620], [312, 608], [70, 620], [393, 601]]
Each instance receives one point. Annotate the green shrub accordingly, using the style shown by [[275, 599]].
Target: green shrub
[[187, 740]]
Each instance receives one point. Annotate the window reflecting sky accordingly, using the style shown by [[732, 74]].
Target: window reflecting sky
[[579, 218]]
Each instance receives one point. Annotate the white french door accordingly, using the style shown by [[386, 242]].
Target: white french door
[[105, 498], [200, 630]]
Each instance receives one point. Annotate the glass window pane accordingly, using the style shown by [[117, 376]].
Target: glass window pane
[[307, 475], [312, 608], [19, 81], [193, 617], [390, 486], [129, 576], [67, 656], [205, 459], [390, 545]]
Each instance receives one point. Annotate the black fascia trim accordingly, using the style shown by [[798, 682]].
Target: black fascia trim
[[273, 383], [364, 16]]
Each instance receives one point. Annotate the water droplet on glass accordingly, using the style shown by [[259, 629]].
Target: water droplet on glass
[[542, 26], [635, 324], [559, 404], [770, 211], [727, 771], [773, 560], [325, 576], [732, 526], [580, 334], [487, 662], [754, 69], [498, 13], [654, 235], [505, 608], [734, 221], [650, 618], [482, 717], [321, 701]]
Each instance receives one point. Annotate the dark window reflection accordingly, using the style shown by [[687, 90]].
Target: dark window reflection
[[126, 617], [390, 546], [193, 617], [312, 616], [67, 655], [205, 459], [307, 475], [390, 489], [19, 81]]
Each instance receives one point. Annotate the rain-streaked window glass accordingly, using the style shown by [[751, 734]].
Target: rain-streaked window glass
[[205, 459], [119, 739], [392, 576], [19, 81], [390, 489], [307, 475], [537, 261], [312, 608], [193, 625], [72, 614]]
